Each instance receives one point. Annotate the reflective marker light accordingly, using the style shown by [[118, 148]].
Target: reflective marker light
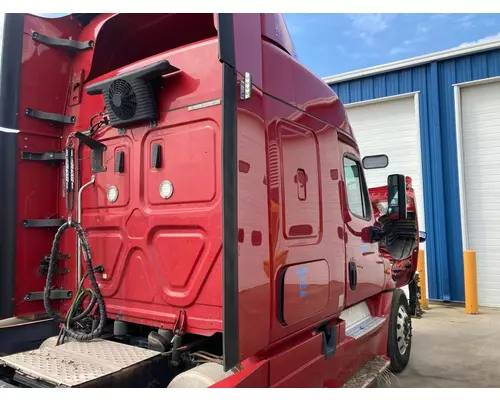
[[112, 194], [166, 189]]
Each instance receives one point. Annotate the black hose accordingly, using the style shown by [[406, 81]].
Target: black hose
[[81, 336]]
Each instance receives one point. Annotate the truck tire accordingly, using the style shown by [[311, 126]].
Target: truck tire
[[400, 332]]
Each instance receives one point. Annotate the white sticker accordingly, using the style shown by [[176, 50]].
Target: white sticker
[[204, 105]]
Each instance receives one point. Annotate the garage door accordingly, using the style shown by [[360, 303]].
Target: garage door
[[391, 127], [481, 162]]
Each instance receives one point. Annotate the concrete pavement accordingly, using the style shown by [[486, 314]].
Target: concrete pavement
[[453, 350]]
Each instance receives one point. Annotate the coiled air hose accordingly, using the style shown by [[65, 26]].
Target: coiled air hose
[[79, 296]]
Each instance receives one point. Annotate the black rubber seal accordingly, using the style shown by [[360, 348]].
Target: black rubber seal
[[10, 81], [229, 194]]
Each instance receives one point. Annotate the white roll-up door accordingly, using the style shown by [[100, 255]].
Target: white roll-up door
[[391, 126], [480, 140]]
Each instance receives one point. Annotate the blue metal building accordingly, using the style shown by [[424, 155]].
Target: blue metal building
[[435, 77]]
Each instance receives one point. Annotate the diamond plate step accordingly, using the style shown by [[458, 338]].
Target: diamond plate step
[[363, 327], [74, 363]]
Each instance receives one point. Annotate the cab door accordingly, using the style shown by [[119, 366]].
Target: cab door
[[365, 274]]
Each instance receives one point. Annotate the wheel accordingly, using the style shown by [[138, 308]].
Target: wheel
[[400, 332]]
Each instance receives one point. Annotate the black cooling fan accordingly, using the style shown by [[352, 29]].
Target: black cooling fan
[[122, 99], [130, 97]]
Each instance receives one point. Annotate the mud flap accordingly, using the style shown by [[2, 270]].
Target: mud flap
[[329, 340]]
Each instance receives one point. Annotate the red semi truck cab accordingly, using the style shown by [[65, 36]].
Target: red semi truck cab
[[181, 186]]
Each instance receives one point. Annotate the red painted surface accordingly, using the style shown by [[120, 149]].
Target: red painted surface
[[168, 257], [320, 210], [304, 289], [299, 361], [369, 264], [254, 374], [163, 256], [159, 255], [45, 76]]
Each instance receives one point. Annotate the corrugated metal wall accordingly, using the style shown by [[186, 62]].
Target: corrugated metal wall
[[435, 83]]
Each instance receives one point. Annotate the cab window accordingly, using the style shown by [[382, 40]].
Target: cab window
[[356, 190]]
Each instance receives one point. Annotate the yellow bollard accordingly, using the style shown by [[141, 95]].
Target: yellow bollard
[[470, 279], [421, 280]]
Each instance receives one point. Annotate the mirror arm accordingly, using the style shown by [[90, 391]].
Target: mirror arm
[[374, 234], [378, 233]]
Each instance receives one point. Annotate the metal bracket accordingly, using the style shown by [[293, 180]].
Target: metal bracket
[[43, 223], [51, 117], [50, 156], [56, 294], [77, 88], [67, 44], [44, 264], [97, 150]]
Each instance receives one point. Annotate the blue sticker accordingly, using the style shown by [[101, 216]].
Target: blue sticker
[[301, 271]]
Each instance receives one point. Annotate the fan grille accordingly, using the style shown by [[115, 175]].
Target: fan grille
[[122, 99]]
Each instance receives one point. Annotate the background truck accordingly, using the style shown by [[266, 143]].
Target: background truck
[[184, 205]]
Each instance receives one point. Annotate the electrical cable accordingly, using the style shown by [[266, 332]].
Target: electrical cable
[[81, 294], [94, 127], [96, 294]]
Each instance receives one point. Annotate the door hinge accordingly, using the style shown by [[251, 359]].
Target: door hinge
[[67, 44], [50, 156], [55, 294], [50, 117]]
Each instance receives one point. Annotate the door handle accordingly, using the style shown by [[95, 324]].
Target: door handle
[[353, 275]]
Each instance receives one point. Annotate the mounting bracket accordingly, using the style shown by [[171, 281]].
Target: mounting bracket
[[97, 150], [50, 156], [44, 264], [67, 44], [43, 223], [50, 117], [55, 294]]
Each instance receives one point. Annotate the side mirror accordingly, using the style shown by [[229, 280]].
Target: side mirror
[[422, 236], [396, 197], [375, 162]]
